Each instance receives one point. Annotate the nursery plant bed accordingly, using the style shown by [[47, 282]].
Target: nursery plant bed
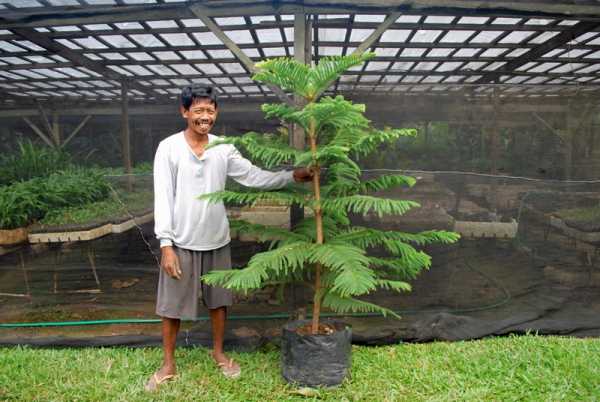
[[11, 237], [477, 230], [585, 236], [130, 223], [65, 235]]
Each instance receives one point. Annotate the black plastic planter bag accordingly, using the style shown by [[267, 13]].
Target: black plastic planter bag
[[316, 360]]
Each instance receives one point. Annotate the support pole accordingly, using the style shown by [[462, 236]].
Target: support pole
[[302, 37], [568, 143], [297, 137], [56, 129], [92, 259], [368, 42], [494, 152], [426, 134], [77, 129], [39, 132], [494, 134], [125, 140], [45, 120], [25, 276]]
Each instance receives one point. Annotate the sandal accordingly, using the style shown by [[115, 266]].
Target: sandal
[[230, 369], [155, 381]]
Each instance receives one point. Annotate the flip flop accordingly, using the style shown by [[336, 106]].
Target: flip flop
[[229, 370], [155, 381]]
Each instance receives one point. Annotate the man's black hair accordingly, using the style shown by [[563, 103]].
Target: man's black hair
[[197, 91]]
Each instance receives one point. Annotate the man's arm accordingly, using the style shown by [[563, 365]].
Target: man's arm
[[164, 200], [245, 173]]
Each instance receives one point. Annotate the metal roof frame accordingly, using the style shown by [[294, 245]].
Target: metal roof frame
[[64, 51]]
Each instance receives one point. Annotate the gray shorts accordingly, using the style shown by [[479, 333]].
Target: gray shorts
[[178, 298]]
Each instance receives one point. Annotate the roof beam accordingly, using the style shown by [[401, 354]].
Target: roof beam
[[76, 130], [390, 102], [39, 132], [368, 42], [47, 16], [539, 50], [321, 23], [242, 57], [80, 60]]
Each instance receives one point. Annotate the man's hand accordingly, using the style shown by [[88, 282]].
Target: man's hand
[[302, 175], [169, 262]]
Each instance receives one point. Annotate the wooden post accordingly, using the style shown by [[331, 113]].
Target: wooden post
[[296, 135], [494, 151], [76, 130], [426, 134], [56, 129], [125, 141], [568, 142], [494, 134], [39, 132], [302, 37]]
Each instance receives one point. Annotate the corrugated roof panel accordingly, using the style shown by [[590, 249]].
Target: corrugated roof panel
[[184, 69], [224, 21], [332, 34], [140, 56], [118, 41], [166, 55], [456, 36], [240, 36], [269, 35], [147, 40], [177, 39], [359, 35], [162, 24], [221, 54], [395, 35], [425, 36]]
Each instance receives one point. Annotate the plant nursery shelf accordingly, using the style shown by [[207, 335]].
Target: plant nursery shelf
[[477, 230], [90, 234]]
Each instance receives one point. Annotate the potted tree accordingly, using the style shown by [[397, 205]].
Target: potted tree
[[325, 249]]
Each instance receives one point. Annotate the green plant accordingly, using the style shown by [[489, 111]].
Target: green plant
[[326, 246], [25, 202], [21, 203], [100, 210], [32, 161]]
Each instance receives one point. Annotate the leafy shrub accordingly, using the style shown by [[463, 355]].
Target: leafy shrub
[[99, 211], [32, 161], [25, 202]]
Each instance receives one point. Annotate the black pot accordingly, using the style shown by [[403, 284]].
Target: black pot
[[316, 360]]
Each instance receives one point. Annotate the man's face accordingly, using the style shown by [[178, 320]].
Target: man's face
[[201, 116]]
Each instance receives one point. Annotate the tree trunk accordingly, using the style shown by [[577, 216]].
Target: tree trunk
[[319, 225]]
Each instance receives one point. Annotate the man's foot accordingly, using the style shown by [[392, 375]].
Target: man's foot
[[228, 367], [164, 374]]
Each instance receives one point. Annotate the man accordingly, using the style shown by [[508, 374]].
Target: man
[[194, 234]]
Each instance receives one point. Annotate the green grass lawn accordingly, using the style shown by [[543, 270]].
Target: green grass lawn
[[526, 368]]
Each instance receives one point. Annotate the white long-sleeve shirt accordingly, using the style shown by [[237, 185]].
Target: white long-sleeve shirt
[[180, 176]]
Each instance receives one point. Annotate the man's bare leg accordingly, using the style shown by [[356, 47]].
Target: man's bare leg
[[217, 318], [170, 328]]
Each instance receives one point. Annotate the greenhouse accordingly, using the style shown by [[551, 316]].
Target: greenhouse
[[502, 96]]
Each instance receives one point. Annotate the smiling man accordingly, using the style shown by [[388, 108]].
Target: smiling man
[[194, 234]]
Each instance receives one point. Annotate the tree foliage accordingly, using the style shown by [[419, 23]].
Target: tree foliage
[[338, 134]]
